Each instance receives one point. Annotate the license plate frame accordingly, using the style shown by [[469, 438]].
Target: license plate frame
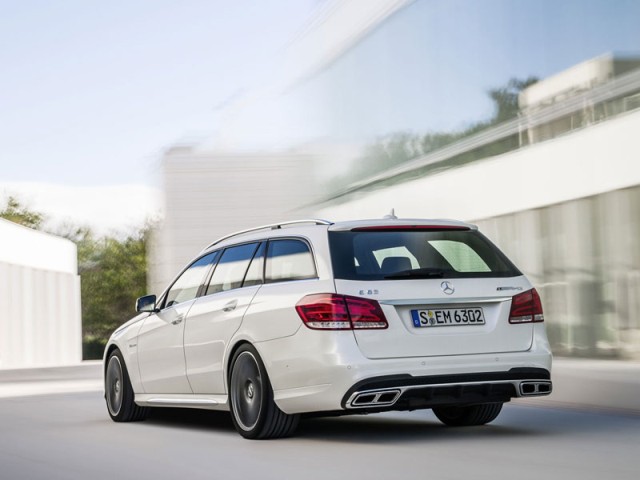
[[447, 317]]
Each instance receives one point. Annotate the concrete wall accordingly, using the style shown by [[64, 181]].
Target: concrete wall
[[40, 317]]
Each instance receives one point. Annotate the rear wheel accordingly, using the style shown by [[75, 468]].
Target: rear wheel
[[119, 393], [469, 415], [253, 411]]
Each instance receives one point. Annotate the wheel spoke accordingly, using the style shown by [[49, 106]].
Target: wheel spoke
[[246, 391], [114, 385]]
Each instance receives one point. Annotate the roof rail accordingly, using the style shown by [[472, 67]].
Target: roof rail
[[273, 226]]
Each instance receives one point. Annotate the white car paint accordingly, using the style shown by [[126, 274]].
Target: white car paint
[[185, 363]]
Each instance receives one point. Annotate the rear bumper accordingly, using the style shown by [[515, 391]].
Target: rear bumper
[[406, 392], [318, 372]]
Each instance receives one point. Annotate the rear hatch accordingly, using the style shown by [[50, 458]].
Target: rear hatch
[[444, 289]]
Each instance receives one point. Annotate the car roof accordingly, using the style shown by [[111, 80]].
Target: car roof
[[298, 226], [399, 222]]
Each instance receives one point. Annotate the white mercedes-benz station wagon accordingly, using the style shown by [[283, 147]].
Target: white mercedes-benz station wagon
[[310, 318]]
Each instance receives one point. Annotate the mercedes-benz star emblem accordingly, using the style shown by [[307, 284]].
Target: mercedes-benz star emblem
[[447, 288]]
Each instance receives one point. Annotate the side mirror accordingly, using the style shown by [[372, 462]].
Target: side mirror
[[146, 304]]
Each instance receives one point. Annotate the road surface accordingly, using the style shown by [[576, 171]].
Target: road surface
[[70, 436]]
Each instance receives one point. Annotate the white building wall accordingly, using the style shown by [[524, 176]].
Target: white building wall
[[40, 316], [208, 195]]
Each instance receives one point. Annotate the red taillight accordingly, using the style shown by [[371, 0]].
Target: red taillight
[[329, 311], [324, 311], [365, 313], [526, 307]]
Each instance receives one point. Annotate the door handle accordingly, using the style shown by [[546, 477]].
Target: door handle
[[230, 306], [178, 319]]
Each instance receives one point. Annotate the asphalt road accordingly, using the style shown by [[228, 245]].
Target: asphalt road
[[69, 436]]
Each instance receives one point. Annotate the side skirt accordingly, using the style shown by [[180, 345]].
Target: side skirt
[[206, 402]]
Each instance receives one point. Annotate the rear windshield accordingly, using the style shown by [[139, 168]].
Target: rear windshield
[[387, 255]]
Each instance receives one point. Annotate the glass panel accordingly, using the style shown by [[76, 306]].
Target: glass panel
[[424, 254], [460, 255], [231, 268], [402, 252], [289, 260], [186, 286]]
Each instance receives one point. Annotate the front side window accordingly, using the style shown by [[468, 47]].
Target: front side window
[[231, 268], [387, 255], [186, 286], [289, 259]]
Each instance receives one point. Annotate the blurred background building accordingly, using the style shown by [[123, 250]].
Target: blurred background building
[[515, 116], [209, 194], [39, 299]]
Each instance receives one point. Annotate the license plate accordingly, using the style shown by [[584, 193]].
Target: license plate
[[447, 317]]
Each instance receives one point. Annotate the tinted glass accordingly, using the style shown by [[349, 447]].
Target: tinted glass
[[231, 268], [289, 260], [381, 255], [256, 268], [186, 286], [460, 256]]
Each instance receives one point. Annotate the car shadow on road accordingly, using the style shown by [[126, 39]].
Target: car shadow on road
[[358, 429], [414, 427], [190, 418], [378, 429]]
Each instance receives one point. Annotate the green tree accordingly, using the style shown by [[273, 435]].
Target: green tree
[[505, 98], [15, 212], [113, 273]]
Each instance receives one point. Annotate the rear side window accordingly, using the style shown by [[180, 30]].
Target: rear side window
[[289, 259], [386, 255], [231, 268]]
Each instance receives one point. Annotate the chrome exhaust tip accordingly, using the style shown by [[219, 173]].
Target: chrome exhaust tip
[[383, 398], [531, 388]]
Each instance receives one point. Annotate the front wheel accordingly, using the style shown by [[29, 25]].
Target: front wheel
[[253, 411], [469, 415], [119, 393]]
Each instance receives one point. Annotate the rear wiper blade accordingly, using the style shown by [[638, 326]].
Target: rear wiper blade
[[418, 273]]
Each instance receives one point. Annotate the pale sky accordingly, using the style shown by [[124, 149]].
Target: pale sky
[[92, 92]]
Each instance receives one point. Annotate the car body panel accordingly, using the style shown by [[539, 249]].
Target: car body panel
[[211, 323], [402, 339], [271, 314], [312, 370], [161, 353]]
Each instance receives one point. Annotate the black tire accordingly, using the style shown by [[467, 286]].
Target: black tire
[[119, 393], [469, 415], [253, 411]]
